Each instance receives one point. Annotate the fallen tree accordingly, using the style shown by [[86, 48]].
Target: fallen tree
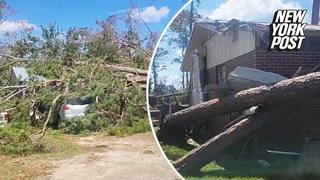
[[113, 93], [267, 95], [212, 149], [128, 69], [14, 58]]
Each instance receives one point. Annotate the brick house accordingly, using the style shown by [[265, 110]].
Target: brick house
[[216, 48]]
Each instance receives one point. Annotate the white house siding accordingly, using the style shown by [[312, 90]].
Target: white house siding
[[222, 49]]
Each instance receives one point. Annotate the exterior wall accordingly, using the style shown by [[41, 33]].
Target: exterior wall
[[212, 75], [216, 124], [305, 117], [246, 60], [286, 63], [222, 48], [289, 134], [302, 120]]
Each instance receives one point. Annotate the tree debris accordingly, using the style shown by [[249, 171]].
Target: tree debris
[[128, 69], [290, 89], [213, 148], [275, 99], [43, 131]]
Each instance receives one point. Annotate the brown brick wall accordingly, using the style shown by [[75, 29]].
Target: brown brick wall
[[304, 119], [246, 60], [212, 75], [286, 63], [306, 116]]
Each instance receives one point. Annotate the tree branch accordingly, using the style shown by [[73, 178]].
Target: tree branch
[[43, 131], [130, 44], [14, 58], [8, 98]]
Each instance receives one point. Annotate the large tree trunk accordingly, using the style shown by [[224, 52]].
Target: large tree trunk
[[290, 89], [213, 148]]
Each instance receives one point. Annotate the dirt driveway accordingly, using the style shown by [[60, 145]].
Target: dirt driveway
[[133, 157]]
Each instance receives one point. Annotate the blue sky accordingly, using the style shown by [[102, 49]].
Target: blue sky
[[84, 13], [251, 10], [245, 10]]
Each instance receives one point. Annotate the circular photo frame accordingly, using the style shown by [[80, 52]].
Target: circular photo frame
[[233, 90]]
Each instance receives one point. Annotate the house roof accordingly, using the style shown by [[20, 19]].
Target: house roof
[[205, 31], [20, 73]]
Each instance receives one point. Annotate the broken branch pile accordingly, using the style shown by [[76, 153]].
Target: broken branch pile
[[133, 75]]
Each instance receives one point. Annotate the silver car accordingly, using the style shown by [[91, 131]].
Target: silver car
[[73, 107]]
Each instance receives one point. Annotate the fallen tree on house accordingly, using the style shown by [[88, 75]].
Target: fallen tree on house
[[276, 100], [285, 90]]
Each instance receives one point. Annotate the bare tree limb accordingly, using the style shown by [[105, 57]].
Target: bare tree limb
[[14, 58], [43, 131], [130, 44], [10, 109], [14, 87], [44, 83], [128, 69], [94, 69], [8, 98], [144, 22]]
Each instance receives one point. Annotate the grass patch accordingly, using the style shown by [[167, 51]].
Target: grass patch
[[232, 168], [23, 168], [16, 141], [123, 129], [61, 145], [215, 171], [84, 127], [173, 152], [24, 162]]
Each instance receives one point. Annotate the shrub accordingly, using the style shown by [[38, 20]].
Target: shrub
[[76, 125], [15, 140], [123, 129]]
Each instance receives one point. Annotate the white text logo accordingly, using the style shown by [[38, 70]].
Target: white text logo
[[287, 30]]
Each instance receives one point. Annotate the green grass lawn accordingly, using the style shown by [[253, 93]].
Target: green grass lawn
[[234, 169], [214, 171]]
